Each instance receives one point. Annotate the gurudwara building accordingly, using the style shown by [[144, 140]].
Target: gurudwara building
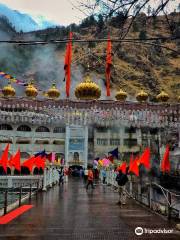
[[83, 129]]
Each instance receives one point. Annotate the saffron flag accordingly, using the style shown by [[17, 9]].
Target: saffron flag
[[4, 158], [165, 164], [67, 64], [134, 167], [15, 161], [39, 162], [108, 65], [29, 163], [122, 168], [145, 158]]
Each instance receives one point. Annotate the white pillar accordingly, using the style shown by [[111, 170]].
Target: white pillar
[[67, 145], [50, 176], [44, 180], [86, 146]]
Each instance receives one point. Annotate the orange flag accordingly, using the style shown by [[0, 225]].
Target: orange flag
[[29, 163], [134, 167], [122, 168], [67, 64], [15, 161], [108, 65], [39, 162], [4, 158], [165, 164], [145, 158]]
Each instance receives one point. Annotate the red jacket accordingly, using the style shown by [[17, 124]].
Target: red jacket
[[90, 175]]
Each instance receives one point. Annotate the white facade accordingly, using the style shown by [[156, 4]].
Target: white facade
[[80, 144]]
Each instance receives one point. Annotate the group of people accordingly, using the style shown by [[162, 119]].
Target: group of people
[[89, 175]]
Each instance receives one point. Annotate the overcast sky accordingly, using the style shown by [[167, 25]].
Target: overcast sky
[[59, 11]]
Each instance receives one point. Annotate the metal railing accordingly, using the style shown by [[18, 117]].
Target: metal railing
[[151, 194], [15, 196], [16, 189]]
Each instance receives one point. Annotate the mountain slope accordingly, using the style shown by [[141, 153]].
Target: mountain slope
[[24, 22], [135, 66]]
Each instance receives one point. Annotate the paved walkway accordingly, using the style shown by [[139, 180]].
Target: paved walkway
[[71, 213]]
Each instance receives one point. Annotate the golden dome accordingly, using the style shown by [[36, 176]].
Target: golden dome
[[53, 92], [163, 96], [142, 96], [121, 95], [9, 91], [31, 91], [179, 98], [87, 90]]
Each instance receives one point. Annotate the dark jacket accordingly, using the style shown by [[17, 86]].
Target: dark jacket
[[121, 179]]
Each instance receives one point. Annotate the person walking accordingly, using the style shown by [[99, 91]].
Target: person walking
[[85, 176], [122, 179], [104, 175], [90, 179], [61, 176]]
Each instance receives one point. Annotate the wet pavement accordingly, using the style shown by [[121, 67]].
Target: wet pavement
[[72, 213]]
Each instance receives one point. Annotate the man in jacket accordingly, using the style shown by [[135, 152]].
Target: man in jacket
[[90, 179], [122, 179]]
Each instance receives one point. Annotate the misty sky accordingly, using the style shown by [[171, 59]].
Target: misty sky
[[59, 11]]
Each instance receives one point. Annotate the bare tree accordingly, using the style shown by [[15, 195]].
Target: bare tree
[[130, 9]]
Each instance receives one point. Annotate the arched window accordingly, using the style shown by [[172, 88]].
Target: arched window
[[5, 127], [42, 129], [59, 130], [24, 128]]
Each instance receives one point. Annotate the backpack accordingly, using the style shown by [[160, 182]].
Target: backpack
[[122, 179]]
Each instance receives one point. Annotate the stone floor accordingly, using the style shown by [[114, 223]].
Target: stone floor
[[72, 213]]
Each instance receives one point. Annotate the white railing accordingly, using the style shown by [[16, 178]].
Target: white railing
[[48, 179]]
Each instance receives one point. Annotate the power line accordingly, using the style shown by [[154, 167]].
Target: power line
[[53, 41]]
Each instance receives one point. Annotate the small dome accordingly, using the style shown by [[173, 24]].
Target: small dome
[[87, 90], [121, 95], [8, 91], [142, 96], [163, 96], [31, 91], [53, 92]]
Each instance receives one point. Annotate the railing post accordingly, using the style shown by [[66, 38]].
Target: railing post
[[150, 195], [50, 176], [30, 191], [169, 205], [38, 185], [139, 191], [130, 185], [20, 195], [5, 201], [44, 180]]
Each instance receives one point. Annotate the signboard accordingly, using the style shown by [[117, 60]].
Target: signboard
[[76, 144]]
